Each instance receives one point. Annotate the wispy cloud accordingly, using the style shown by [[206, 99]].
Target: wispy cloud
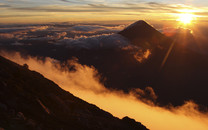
[[76, 1], [19, 15], [114, 9], [94, 7], [56, 9], [4, 5]]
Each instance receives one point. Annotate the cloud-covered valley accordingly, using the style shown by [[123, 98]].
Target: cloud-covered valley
[[97, 64], [60, 33]]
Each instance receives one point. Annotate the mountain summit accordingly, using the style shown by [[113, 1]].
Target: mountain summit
[[141, 32]]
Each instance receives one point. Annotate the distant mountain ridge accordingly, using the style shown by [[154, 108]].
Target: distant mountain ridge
[[30, 101]]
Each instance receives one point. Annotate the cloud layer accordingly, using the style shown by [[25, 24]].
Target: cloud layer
[[57, 32]]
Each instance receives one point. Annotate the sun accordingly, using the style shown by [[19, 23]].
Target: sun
[[186, 18]]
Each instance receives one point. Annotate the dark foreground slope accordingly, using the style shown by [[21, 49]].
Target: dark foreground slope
[[30, 101]]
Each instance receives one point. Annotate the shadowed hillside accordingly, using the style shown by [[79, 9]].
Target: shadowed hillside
[[30, 101]]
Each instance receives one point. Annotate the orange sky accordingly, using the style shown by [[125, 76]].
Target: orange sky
[[22, 11]]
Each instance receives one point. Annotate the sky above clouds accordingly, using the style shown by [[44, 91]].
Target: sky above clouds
[[42, 11]]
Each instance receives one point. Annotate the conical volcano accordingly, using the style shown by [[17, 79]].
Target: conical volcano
[[141, 32]]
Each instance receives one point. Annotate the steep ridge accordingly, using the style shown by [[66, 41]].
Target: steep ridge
[[30, 101]]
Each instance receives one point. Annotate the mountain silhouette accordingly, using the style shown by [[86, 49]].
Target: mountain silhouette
[[30, 101], [141, 33]]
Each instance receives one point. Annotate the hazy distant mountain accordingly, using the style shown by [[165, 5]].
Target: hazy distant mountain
[[184, 72], [30, 101]]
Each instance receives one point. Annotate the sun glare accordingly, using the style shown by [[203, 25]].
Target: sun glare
[[186, 18]]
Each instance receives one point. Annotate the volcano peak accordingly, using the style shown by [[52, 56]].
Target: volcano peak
[[137, 23], [141, 32]]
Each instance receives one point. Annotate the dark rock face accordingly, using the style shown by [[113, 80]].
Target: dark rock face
[[30, 101], [133, 124]]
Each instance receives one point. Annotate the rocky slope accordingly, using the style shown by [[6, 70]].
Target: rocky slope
[[30, 101]]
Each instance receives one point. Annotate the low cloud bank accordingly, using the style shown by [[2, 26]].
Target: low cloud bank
[[77, 36], [93, 42], [84, 83], [56, 31]]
